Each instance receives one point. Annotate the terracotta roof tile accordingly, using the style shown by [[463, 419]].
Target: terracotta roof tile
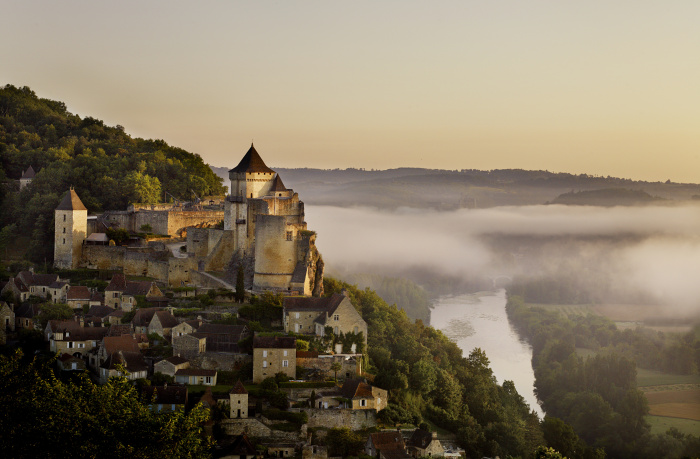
[[78, 292]]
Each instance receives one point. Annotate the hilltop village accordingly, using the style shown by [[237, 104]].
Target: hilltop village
[[217, 302]]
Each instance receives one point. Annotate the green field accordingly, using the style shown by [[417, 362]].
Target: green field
[[660, 425], [569, 310], [657, 378]]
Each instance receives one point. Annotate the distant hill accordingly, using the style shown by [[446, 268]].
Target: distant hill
[[107, 167], [444, 189], [606, 197]]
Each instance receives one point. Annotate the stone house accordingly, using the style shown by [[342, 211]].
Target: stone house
[[311, 316], [133, 362], [68, 336], [194, 376], [238, 401], [162, 323], [7, 317], [115, 318], [185, 328], [314, 452], [27, 177], [388, 445], [222, 337], [77, 296], [44, 285], [363, 396], [16, 288], [121, 293], [165, 399], [67, 362], [272, 355], [280, 450], [424, 444], [25, 315], [189, 346], [170, 365], [240, 448]]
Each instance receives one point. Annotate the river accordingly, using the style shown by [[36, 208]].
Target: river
[[480, 320]]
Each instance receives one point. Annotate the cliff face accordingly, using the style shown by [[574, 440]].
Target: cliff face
[[313, 260]]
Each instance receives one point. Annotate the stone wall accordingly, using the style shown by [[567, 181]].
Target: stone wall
[[354, 419], [254, 428], [275, 251], [219, 360], [103, 257]]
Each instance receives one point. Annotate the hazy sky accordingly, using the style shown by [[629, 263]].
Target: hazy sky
[[601, 87]]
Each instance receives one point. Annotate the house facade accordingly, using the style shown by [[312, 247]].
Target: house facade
[[272, 355]]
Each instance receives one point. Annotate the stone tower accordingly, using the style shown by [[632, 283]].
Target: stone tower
[[238, 398], [70, 231]]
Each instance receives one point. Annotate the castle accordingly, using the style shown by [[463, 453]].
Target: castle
[[264, 233]]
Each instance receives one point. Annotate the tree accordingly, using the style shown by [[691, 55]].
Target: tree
[[56, 311], [335, 368], [42, 416], [240, 285], [343, 442]]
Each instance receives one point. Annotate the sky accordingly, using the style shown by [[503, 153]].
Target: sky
[[596, 87]]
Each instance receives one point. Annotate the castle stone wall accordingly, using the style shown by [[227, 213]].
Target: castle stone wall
[[275, 251], [70, 229], [103, 257], [354, 419], [222, 252]]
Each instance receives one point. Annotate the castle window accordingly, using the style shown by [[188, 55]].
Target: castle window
[[289, 235], [64, 240], [64, 231], [64, 217]]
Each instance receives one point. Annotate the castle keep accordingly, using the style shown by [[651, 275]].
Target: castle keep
[[264, 233]]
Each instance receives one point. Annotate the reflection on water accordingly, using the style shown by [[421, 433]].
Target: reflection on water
[[480, 320]]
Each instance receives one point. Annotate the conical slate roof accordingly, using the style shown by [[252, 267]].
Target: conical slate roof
[[29, 173], [251, 162], [277, 185], [71, 201]]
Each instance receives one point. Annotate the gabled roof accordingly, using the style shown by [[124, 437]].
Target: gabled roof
[[252, 162], [166, 319], [241, 446], [28, 278], [420, 439], [176, 360], [238, 388], [71, 201], [29, 173], [277, 184], [125, 343], [144, 316], [327, 304], [275, 342], [166, 395], [58, 284], [118, 283], [387, 440], [138, 288], [120, 329], [78, 292], [222, 329], [132, 361], [27, 311], [99, 311], [97, 237], [356, 388]]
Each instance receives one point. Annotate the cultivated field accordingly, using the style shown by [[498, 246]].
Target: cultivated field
[[675, 403], [660, 425], [647, 378]]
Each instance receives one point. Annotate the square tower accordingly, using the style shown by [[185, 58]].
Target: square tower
[[70, 230]]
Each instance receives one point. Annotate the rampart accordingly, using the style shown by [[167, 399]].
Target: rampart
[[170, 221], [354, 419]]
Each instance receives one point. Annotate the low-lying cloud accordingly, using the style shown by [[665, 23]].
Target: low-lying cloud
[[653, 250]]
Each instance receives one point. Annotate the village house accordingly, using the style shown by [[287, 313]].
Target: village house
[[272, 355], [223, 337], [386, 445], [27, 177], [67, 362], [424, 444], [165, 399], [355, 394], [189, 346], [238, 401], [311, 316], [170, 365], [186, 327], [7, 317], [240, 448], [196, 376], [44, 285], [121, 293], [77, 296], [68, 336], [15, 288], [280, 449], [319, 366], [25, 316], [154, 320], [132, 362]]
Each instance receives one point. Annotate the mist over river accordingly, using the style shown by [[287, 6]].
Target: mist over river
[[480, 320]]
